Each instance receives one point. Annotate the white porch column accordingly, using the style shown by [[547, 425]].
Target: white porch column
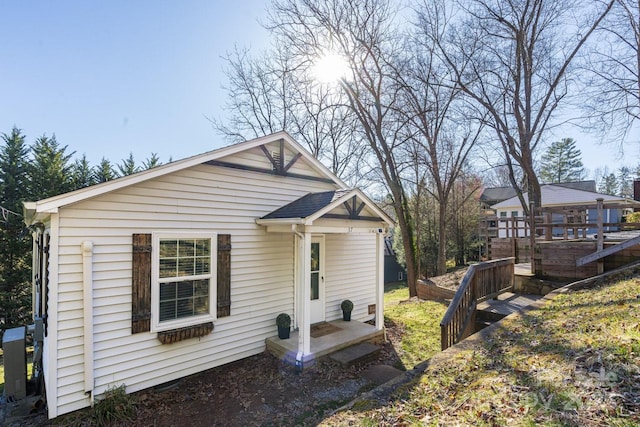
[[304, 291], [380, 281]]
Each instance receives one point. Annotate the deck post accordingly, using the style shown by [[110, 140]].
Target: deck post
[[532, 236], [600, 244]]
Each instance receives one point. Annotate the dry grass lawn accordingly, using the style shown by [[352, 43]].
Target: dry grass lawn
[[575, 362]]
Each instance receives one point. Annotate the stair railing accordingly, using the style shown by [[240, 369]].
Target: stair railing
[[482, 281]]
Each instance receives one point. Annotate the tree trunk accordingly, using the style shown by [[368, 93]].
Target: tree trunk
[[442, 239], [408, 241]]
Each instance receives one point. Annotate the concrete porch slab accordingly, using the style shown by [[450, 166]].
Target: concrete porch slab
[[350, 333]]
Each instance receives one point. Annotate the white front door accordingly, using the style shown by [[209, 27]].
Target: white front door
[[317, 280]]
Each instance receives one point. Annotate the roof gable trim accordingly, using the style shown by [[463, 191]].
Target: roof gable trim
[[52, 203]]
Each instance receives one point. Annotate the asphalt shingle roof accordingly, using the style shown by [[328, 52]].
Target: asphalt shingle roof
[[307, 205]]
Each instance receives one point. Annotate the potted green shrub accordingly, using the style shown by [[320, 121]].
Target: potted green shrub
[[347, 308], [284, 325]]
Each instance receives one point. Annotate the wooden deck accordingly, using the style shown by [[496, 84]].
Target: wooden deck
[[507, 303], [350, 333]]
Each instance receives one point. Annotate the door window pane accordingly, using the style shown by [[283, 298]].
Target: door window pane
[[315, 286]]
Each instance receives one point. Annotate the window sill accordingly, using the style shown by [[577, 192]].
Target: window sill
[[179, 334]]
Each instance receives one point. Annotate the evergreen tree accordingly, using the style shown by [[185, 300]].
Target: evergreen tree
[[15, 242], [608, 184], [50, 170], [625, 187], [82, 173], [104, 172], [562, 162], [152, 161], [128, 166]]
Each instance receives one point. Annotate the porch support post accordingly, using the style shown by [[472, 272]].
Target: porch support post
[[304, 315], [380, 281]]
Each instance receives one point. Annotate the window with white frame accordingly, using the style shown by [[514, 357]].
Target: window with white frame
[[184, 280]]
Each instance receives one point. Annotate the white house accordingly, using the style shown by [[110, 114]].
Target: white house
[[184, 267], [556, 196]]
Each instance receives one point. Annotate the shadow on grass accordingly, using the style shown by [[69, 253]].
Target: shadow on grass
[[568, 363], [392, 286]]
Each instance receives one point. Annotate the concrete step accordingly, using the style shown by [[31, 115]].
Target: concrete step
[[355, 354]]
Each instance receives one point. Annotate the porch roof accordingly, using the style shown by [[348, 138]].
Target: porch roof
[[348, 205]]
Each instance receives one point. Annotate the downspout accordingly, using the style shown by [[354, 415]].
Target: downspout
[[87, 294], [380, 280], [296, 305]]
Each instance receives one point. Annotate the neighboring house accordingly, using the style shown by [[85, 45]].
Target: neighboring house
[[184, 267], [393, 271], [558, 195], [493, 195]]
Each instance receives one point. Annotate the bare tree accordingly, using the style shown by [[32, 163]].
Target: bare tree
[[438, 118], [514, 58], [269, 93], [613, 94], [364, 32]]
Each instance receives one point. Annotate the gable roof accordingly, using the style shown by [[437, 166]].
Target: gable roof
[[306, 206], [52, 204], [312, 206], [556, 195], [498, 194], [589, 185]]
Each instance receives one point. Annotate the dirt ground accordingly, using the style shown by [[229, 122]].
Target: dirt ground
[[258, 391], [450, 280]]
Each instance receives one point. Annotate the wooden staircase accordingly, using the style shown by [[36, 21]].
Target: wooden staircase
[[483, 281]]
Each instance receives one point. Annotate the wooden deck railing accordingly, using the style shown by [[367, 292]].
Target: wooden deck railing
[[482, 281]]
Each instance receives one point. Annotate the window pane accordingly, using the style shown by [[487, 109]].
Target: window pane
[[201, 288], [201, 305], [168, 268], [167, 310], [185, 289], [203, 247], [185, 307], [168, 248], [315, 286], [185, 267], [202, 265], [184, 299], [186, 248], [167, 291], [315, 256]]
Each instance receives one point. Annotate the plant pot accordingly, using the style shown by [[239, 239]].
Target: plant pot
[[283, 332], [346, 316]]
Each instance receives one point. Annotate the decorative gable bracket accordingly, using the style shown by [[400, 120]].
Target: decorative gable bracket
[[350, 205], [277, 159]]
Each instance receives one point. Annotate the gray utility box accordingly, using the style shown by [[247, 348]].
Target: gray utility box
[[15, 364]]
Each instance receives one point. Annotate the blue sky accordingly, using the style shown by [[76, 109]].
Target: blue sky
[[115, 77]]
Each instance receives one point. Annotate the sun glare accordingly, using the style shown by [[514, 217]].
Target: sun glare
[[330, 68]]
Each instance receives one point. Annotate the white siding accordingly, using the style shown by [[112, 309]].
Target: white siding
[[350, 274], [204, 198]]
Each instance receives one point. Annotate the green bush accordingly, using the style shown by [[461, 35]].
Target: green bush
[[283, 320], [346, 305]]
